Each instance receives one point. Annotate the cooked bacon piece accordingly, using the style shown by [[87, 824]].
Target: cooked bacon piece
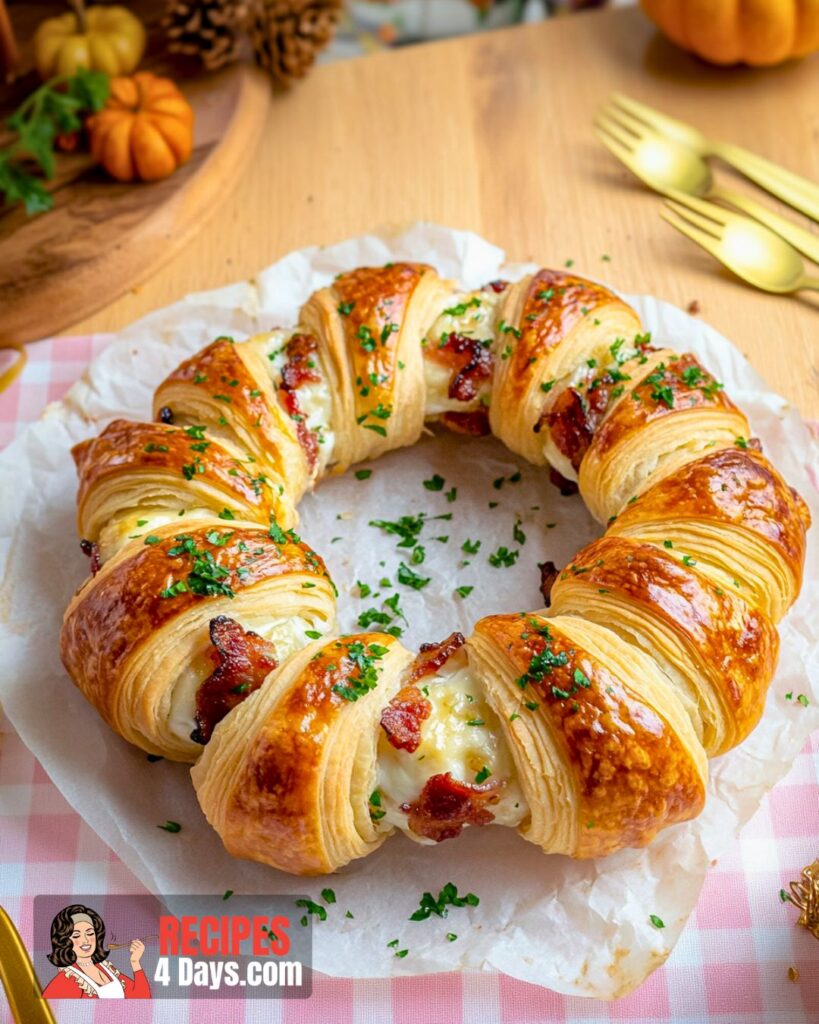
[[300, 367], [401, 719], [497, 286], [92, 550], [470, 363], [548, 575], [434, 656], [474, 424], [573, 418], [242, 661], [446, 805], [307, 437], [566, 487]]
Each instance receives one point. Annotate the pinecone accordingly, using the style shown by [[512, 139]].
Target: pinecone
[[287, 35], [208, 29]]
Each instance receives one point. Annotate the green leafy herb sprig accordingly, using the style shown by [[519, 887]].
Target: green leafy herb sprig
[[58, 107]]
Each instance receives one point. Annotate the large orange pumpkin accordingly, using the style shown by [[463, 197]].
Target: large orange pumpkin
[[145, 129], [739, 31]]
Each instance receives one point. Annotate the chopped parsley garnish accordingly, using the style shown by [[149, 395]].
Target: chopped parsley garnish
[[464, 591], [206, 578], [366, 338], [363, 656], [328, 895], [462, 307], [656, 921], [316, 909], [363, 474], [503, 558], [435, 483], [447, 897], [376, 811], [483, 774], [410, 578], [276, 533], [171, 826], [471, 547], [345, 308], [691, 376]]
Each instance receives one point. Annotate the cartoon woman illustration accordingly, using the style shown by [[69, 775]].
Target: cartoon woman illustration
[[78, 949]]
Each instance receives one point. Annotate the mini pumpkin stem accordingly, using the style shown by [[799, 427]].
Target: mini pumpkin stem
[[78, 7]]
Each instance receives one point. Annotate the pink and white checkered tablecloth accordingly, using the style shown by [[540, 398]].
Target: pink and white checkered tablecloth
[[729, 967]]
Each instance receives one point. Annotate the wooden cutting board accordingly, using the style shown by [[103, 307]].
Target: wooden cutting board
[[103, 238]]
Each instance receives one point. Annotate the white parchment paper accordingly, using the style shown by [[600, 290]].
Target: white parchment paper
[[576, 927]]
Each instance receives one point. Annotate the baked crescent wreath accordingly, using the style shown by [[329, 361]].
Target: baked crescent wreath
[[206, 631]]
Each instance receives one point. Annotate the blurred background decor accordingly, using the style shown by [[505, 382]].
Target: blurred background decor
[[90, 207]]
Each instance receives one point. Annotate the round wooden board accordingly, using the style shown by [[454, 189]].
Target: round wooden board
[[102, 238]]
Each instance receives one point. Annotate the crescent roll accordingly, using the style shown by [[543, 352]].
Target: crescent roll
[[137, 637], [287, 778], [206, 630]]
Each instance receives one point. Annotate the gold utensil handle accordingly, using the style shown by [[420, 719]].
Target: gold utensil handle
[[11, 373], [796, 191], [19, 980], [800, 238]]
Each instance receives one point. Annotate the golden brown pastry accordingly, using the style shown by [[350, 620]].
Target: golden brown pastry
[[733, 514], [206, 628]]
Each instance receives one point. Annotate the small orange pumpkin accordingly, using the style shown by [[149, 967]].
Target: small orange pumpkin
[[145, 130], [757, 32]]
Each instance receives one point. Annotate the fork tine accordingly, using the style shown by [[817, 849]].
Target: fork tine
[[692, 217], [616, 148], [704, 241], [626, 119], [648, 115], [716, 213], [615, 130]]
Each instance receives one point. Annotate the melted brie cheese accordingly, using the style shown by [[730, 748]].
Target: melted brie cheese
[[135, 523], [287, 634], [315, 398], [471, 314], [462, 736]]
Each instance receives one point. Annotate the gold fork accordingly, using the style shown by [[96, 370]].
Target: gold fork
[[750, 250], [669, 167], [791, 188]]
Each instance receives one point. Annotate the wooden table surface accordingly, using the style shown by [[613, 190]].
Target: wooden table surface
[[493, 133]]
